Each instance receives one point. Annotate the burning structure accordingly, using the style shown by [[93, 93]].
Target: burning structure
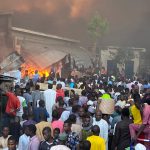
[[35, 50]]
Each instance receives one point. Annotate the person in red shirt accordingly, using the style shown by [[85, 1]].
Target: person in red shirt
[[59, 91], [12, 106]]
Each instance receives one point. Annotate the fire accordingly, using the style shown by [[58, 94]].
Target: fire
[[31, 70]]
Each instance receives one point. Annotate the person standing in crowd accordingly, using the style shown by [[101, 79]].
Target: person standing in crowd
[[83, 98], [36, 96], [34, 141], [28, 96], [39, 110], [103, 125], [56, 122], [81, 113], [12, 144], [41, 125], [74, 127], [72, 138], [49, 97], [86, 130], [35, 77], [97, 143], [22, 103], [4, 137], [48, 140], [122, 138], [12, 106], [59, 91], [24, 140]]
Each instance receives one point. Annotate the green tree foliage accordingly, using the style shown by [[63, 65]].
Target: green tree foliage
[[97, 27]]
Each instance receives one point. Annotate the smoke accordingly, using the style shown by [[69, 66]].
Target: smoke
[[128, 19]]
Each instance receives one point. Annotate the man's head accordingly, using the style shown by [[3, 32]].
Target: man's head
[[37, 87], [86, 120], [81, 112], [18, 91], [56, 132], [125, 113], [26, 130], [5, 131], [11, 143], [50, 86], [47, 133], [86, 145], [96, 130], [55, 115], [67, 126], [72, 118], [32, 130], [98, 115], [59, 86]]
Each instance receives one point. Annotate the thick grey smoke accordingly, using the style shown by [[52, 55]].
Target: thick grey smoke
[[129, 23]]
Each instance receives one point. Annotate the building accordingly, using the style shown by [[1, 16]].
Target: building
[[39, 49], [131, 64]]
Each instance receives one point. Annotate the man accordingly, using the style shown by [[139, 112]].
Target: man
[[4, 137], [83, 98], [49, 97], [35, 77], [48, 143], [13, 105], [28, 97], [39, 110], [36, 95], [97, 143], [86, 131], [34, 141], [75, 127], [24, 140], [72, 137], [62, 143], [81, 116], [41, 125], [122, 136], [12, 144], [103, 125], [23, 103]]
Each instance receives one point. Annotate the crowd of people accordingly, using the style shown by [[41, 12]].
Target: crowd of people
[[62, 119]]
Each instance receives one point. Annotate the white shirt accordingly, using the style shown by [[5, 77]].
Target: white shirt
[[60, 147], [50, 99], [22, 100], [103, 125], [23, 142]]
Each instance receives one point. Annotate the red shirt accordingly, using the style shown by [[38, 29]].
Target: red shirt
[[60, 93], [13, 104]]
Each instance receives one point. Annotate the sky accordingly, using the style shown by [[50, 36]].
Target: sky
[[129, 20]]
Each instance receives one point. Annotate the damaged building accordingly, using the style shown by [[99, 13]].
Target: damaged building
[[21, 46]]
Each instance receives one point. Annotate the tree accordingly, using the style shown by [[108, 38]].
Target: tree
[[97, 28]]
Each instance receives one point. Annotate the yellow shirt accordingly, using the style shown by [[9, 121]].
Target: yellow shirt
[[39, 129], [137, 119], [97, 143]]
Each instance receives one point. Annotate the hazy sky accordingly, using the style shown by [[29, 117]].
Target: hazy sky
[[129, 20]]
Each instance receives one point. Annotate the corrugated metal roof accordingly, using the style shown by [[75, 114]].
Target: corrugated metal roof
[[44, 35]]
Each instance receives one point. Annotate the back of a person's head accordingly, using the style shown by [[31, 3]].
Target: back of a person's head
[[125, 112], [37, 87], [32, 128], [66, 93], [55, 114], [41, 103], [83, 93], [86, 145], [50, 86], [72, 118], [96, 130]]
